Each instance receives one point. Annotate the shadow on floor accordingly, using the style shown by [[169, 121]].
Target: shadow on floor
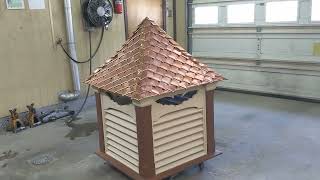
[[81, 130]]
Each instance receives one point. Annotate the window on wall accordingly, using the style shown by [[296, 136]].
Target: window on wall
[[240, 13], [206, 15], [282, 11], [315, 10]]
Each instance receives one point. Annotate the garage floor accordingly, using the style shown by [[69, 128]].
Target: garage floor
[[262, 138]]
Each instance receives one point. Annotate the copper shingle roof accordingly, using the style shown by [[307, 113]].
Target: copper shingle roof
[[150, 63]]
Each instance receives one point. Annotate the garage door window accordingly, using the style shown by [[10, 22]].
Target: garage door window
[[240, 13], [315, 10], [206, 15], [282, 11]]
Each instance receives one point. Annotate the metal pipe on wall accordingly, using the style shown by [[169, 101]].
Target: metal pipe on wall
[[68, 96]]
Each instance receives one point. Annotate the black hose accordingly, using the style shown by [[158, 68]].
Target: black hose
[[59, 42], [88, 89]]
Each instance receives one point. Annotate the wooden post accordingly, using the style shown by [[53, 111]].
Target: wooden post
[[210, 122], [145, 142], [100, 123]]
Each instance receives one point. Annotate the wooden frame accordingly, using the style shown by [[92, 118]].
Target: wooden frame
[[125, 15], [210, 122], [100, 123], [164, 15], [188, 22], [22, 6], [145, 143], [174, 9]]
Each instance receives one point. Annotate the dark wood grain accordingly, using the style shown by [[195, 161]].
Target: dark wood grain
[[210, 122], [100, 122], [145, 142]]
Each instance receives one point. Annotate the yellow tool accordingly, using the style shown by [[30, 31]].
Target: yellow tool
[[32, 119], [15, 123]]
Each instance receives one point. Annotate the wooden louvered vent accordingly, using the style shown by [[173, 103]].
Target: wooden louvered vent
[[179, 137], [121, 138]]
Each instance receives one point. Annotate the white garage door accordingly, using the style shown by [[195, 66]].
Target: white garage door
[[262, 46]]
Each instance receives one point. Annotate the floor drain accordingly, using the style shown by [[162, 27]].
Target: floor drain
[[42, 159]]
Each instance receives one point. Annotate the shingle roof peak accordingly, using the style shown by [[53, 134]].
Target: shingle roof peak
[[151, 63]]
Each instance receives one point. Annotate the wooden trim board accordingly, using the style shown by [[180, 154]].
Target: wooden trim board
[[145, 141], [210, 122], [164, 15], [100, 122], [125, 17]]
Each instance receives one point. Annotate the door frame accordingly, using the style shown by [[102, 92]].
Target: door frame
[[164, 16]]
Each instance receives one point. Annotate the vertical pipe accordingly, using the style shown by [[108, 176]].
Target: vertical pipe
[[71, 45]]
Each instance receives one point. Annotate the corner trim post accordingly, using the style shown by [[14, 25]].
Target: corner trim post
[[100, 122], [145, 142], [210, 122]]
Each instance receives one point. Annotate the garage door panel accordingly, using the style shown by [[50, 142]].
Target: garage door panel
[[288, 47], [287, 84], [224, 47]]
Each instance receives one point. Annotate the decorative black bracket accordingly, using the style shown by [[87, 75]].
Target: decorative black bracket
[[176, 99]]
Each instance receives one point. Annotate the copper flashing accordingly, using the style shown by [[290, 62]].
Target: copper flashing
[[151, 63]]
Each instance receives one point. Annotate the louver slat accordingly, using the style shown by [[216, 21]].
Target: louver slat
[[176, 129], [178, 114], [114, 138], [121, 138], [178, 150], [123, 155], [122, 122], [122, 129], [121, 115], [180, 156], [123, 161], [179, 137], [123, 148], [171, 123], [175, 144], [181, 161], [121, 135]]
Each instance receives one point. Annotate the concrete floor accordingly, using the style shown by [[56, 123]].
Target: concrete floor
[[262, 138]]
